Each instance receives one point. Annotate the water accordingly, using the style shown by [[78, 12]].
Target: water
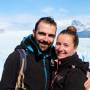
[[9, 40]]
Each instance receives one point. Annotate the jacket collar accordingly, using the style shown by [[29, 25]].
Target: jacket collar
[[74, 60]]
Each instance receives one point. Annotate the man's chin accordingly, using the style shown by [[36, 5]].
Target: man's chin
[[44, 48]]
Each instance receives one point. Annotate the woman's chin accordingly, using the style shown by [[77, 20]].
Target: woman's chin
[[61, 57]]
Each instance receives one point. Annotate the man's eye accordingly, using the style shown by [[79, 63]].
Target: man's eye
[[41, 33], [52, 36]]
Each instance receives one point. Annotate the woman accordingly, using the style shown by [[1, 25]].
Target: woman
[[71, 71]]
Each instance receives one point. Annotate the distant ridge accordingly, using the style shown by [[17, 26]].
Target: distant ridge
[[84, 34]]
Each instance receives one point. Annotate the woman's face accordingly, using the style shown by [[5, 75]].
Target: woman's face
[[64, 46]]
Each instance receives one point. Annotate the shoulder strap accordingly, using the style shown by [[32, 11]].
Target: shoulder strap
[[22, 58], [20, 79]]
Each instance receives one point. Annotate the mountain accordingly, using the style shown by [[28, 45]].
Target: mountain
[[83, 30]]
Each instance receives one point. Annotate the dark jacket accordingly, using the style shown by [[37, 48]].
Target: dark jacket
[[71, 74], [37, 73]]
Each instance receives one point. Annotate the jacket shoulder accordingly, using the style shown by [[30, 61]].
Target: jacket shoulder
[[75, 78]]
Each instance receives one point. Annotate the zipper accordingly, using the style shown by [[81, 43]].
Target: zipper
[[45, 72]]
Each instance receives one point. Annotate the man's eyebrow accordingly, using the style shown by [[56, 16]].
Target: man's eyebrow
[[52, 35], [41, 33]]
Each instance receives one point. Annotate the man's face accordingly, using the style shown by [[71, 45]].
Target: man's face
[[45, 35]]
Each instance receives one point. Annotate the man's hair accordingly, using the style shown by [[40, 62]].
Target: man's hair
[[47, 20]]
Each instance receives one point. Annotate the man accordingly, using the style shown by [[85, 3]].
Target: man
[[39, 48]]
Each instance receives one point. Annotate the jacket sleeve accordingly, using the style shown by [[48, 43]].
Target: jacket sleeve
[[10, 72], [75, 80]]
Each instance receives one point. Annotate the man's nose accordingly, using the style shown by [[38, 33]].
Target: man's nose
[[46, 38]]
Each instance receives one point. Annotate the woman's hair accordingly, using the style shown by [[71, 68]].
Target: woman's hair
[[71, 30]]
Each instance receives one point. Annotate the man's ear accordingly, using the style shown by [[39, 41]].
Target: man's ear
[[33, 32]]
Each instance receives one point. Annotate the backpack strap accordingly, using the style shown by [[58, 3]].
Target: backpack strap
[[23, 55], [20, 79]]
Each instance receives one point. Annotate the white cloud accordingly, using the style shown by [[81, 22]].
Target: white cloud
[[63, 11], [19, 21], [27, 21], [23, 18], [47, 10]]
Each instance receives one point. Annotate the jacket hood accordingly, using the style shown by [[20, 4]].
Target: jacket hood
[[31, 46]]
